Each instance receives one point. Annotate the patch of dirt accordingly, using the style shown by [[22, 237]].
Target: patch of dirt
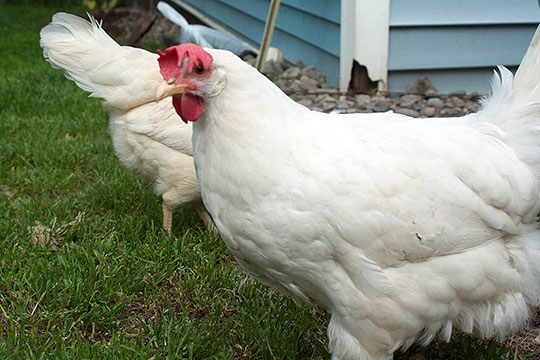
[[526, 343], [137, 27]]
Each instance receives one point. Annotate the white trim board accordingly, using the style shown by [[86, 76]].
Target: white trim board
[[365, 28]]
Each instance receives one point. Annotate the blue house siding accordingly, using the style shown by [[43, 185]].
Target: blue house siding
[[306, 30], [462, 12], [457, 47], [457, 43], [446, 80]]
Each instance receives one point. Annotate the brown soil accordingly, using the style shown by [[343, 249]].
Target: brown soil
[[137, 27]]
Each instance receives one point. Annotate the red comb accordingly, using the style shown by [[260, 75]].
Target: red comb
[[170, 62]]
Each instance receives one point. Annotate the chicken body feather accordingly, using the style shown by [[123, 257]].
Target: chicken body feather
[[148, 137], [402, 228]]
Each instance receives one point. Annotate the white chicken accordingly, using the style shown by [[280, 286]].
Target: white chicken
[[402, 228], [148, 137]]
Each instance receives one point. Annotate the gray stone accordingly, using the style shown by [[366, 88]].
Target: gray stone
[[473, 105], [296, 97], [344, 103], [407, 111], [409, 100], [281, 83], [435, 102], [362, 100], [324, 98], [457, 101], [381, 103], [308, 69], [296, 86], [326, 106], [320, 77], [291, 73], [319, 98], [326, 102], [306, 102], [419, 105], [308, 83], [450, 112], [380, 107], [449, 104], [381, 99]]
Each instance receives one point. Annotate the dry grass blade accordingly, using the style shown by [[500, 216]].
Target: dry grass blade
[[5, 190], [49, 236]]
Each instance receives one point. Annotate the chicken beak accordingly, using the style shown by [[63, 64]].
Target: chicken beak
[[165, 89]]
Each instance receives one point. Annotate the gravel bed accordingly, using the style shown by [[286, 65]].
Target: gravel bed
[[308, 87]]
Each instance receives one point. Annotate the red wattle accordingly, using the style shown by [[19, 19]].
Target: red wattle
[[188, 106]]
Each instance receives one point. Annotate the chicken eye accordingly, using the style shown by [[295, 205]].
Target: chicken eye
[[200, 70]]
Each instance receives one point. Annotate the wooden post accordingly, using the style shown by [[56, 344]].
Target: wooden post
[[268, 32]]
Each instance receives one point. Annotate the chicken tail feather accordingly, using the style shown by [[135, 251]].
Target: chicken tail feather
[[514, 106], [123, 76], [527, 79]]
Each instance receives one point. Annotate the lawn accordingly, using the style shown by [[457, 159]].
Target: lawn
[[85, 269]]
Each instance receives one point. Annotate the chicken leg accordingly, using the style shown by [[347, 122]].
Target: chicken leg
[[205, 217], [167, 218], [199, 209]]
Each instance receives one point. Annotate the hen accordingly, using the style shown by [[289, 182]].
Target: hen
[[147, 136], [402, 228]]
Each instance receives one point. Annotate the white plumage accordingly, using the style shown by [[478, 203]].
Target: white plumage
[[402, 228], [148, 136]]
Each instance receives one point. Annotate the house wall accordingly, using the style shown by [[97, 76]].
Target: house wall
[[307, 30], [457, 43]]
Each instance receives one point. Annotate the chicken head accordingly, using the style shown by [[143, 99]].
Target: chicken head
[[186, 70]]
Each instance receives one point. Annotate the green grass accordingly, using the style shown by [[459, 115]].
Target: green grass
[[86, 271]]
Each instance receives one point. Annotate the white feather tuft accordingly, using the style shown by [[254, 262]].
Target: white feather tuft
[[514, 106], [123, 76]]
